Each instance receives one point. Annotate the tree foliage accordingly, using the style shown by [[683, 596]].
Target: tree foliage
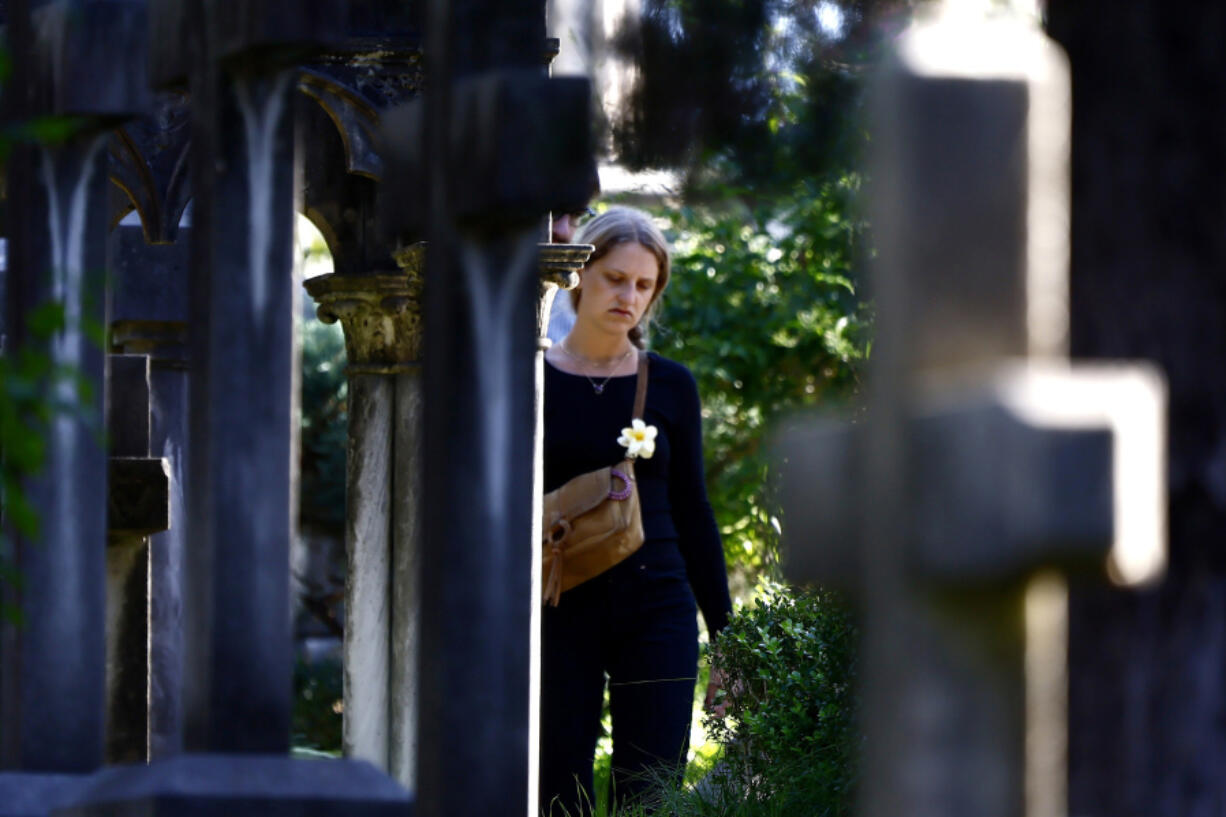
[[768, 91], [764, 308], [764, 124]]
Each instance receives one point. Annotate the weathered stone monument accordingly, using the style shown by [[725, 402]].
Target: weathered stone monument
[[381, 315], [234, 62], [147, 264], [238, 64], [988, 466], [84, 60], [201, 390], [375, 294], [139, 506], [988, 469], [492, 147], [148, 317]]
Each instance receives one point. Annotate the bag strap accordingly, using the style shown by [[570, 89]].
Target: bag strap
[[640, 391]]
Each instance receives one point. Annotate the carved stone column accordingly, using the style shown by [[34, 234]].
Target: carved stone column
[[381, 317], [406, 540], [559, 266]]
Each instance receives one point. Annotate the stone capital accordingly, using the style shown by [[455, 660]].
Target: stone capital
[[560, 264], [381, 314], [559, 269], [165, 342]]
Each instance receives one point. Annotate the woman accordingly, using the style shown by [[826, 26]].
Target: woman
[[637, 621]]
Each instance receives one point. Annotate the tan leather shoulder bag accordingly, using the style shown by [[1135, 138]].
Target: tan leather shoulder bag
[[593, 521]]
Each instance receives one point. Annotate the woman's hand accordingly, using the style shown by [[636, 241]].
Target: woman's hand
[[714, 687]]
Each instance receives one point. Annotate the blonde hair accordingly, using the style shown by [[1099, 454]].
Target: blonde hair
[[623, 225]]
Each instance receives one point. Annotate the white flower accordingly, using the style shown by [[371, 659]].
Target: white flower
[[639, 439]]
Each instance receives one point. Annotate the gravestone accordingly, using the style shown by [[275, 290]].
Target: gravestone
[[149, 318], [491, 147], [987, 467], [83, 59], [139, 505], [236, 61]]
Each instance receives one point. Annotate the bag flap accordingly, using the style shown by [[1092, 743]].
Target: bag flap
[[584, 492]]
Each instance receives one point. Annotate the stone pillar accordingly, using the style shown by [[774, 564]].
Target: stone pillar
[[381, 316], [487, 151], [406, 582], [238, 651], [54, 720], [52, 662], [406, 537], [559, 266], [559, 270]]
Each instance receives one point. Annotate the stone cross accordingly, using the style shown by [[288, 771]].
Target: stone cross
[[988, 466], [149, 318], [490, 148], [148, 266], [139, 506]]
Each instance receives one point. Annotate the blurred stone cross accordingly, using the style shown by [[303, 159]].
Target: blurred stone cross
[[479, 159], [988, 466]]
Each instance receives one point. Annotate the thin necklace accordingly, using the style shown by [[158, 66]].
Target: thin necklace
[[596, 387]]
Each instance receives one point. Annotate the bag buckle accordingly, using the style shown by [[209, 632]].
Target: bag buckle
[[558, 533], [626, 490]]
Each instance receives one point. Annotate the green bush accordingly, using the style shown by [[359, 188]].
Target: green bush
[[763, 307], [789, 733]]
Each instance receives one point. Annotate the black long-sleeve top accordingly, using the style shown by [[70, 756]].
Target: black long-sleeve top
[[581, 431]]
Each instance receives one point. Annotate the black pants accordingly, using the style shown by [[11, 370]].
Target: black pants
[[637, 623]]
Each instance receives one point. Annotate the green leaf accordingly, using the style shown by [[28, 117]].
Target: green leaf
[[48, 130], [46, 319]]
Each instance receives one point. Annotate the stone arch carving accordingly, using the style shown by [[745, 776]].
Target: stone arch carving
[[354, 86], [149, 156], [149, 162]]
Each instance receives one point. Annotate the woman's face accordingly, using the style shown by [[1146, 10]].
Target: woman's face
[[617, 288]]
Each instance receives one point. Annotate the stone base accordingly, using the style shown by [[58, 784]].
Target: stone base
[[241, 786], [24, 794]]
